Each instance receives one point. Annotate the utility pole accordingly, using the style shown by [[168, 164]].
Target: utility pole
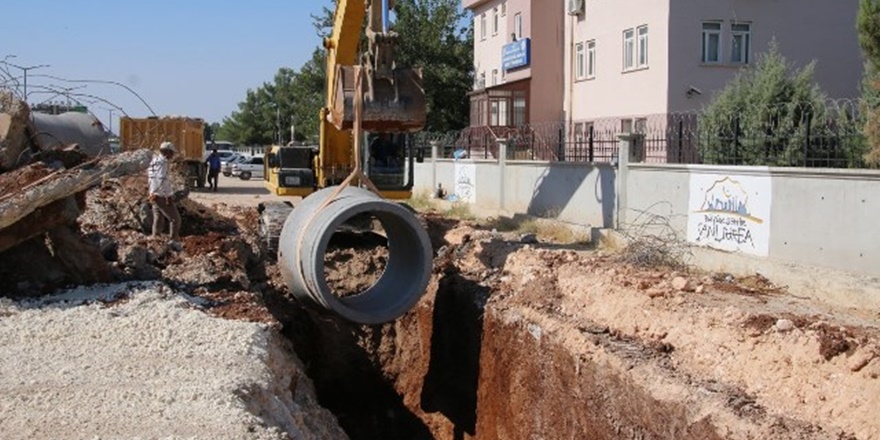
[[25, 70], [110, 119]]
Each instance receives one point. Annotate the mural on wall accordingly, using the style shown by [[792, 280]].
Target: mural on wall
[[466, 182], [730, 213]]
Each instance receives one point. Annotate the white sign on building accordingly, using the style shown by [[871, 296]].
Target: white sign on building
[[730, 212], [466, 182]]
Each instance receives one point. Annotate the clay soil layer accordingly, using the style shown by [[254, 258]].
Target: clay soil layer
[[518, 341]]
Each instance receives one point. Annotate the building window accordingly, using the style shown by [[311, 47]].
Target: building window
[[494, 77], [626, 125], [591, 59], [579, 61], [517, 26], [483, 26], [740, 34], [629, 49], [643, 46], [711, 42], [503, 9], [495, 21], [519, 108]]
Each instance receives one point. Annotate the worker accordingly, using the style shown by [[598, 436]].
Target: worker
[[213, 163], [161, 194]]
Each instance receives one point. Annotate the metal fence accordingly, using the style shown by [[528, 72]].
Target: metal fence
[[828, 134]]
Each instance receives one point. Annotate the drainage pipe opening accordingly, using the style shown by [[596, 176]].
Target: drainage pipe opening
[[304, 244]]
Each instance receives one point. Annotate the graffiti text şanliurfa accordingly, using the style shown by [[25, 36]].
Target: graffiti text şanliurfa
[[721, 228]]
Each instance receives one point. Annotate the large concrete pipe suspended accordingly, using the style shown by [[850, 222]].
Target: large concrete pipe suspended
[[59, 131], [306, 234]]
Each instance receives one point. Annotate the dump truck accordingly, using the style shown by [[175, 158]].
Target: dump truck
[[187, 134]]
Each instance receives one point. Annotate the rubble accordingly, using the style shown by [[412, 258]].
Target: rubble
[[16, 132]]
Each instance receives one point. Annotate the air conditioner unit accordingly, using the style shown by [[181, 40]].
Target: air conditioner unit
[[575, 7]]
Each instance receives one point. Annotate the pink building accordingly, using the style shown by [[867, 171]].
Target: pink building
[[626, 61], [630, 60], [518, 70]]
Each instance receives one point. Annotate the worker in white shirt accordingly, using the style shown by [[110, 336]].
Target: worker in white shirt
[[161, 194]]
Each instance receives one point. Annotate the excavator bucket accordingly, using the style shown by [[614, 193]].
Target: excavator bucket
[[395, 104]]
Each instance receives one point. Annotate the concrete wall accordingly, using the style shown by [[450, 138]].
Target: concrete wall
[[578, 194], [817, 217], [814, 230]]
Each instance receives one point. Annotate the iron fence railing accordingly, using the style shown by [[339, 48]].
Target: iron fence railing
[[828, 134]]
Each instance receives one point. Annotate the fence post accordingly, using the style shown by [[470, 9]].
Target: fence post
[[502, 167], [560, 154], [807, 140], [680, 141], [435, 148], [736, 141], [592, 151], [624, 156]]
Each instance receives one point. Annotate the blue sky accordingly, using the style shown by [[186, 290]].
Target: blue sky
[[183, 57]]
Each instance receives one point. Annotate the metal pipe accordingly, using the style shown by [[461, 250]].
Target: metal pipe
[[306, 235]]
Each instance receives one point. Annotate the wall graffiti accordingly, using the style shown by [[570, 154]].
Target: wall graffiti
[[466, 182], [730, 213]]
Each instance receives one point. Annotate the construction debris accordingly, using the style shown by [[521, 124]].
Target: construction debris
[[16, 132]]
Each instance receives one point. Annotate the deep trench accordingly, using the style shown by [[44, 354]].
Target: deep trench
[[354, 366]]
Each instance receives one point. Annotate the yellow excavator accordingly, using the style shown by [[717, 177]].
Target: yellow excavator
[[393, 106], [371, 102]]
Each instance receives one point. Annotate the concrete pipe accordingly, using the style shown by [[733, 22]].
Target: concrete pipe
[[306, 234]]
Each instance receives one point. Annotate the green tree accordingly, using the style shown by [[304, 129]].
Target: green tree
[[431, 36], [868, 25], [774, 114]]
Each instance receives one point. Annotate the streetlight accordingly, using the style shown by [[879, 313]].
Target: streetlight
[[109, 118], [25, 70]]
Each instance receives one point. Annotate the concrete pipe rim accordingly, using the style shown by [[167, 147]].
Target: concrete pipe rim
[[402, 282]]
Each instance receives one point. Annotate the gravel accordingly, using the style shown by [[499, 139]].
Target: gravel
[[140, 361]]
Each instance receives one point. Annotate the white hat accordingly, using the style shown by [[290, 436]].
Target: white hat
[[167, 146]]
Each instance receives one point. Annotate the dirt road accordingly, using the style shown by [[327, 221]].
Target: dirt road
[[233, 191]]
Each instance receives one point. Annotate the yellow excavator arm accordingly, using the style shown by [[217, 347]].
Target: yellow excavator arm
[[393, 104], [394, 99]]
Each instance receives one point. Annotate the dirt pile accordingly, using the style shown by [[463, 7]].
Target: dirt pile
[[536, 340]]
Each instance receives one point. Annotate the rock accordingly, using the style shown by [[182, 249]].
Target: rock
[[528, 239], [134, 257], [700, 289], [682, 284], [784, 325], [655, 293], [859, 360]]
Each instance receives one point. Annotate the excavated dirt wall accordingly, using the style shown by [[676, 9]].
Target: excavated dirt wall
[[523, 341]]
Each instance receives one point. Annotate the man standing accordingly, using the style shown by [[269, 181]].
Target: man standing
[[161, 194], [213, 169]]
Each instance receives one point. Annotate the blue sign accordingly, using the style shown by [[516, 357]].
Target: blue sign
[[517, 54]]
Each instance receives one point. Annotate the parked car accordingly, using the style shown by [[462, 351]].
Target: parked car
[[226, 165], [249, 168]]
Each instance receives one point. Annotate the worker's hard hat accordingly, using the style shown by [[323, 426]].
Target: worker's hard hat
[[167, 146]]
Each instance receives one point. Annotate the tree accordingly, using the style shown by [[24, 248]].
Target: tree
[[265, 114], [775, 114], [430, 37], [868, 25]]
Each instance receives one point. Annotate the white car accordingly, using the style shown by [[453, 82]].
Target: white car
[[226, 164], [249, 168]]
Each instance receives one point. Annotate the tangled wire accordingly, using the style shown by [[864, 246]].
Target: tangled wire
[[651, 241]]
